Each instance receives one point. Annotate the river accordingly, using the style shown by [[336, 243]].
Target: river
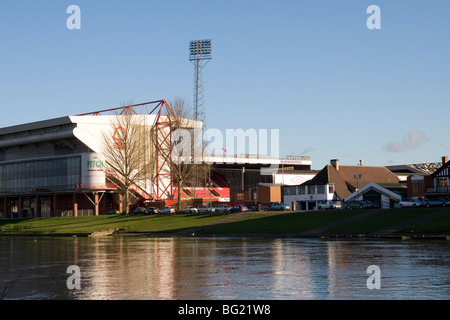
[[144, 268]]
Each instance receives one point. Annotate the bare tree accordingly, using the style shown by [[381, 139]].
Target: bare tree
[[187, 164], [128, 152]]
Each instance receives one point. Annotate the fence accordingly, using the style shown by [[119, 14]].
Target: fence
[[81, 213]]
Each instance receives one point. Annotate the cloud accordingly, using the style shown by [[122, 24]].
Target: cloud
[[411, 140], [394, 147], [307, 151], [304, 152]]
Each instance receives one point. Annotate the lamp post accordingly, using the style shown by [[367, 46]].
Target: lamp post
[[243, 177], [357, 177], [199, 54]]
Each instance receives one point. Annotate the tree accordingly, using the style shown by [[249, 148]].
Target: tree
[[128, 152], [187, 163]]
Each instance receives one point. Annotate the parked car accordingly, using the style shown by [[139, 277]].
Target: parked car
[[239, 208], [191, 209], [408, 203], [435, 202], [253, 208], [222, 208], [328, 205], [369, 204], [112, 211], [151, 210], [279, 206], [358, 204], [139, 210], [167, 210], [206, 209]]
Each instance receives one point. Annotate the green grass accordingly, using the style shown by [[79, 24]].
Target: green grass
[[380, 221], [130, 223], [436, 226], [279, 223], [270, 223]]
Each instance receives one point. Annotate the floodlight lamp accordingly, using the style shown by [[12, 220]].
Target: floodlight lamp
[[200, 50]]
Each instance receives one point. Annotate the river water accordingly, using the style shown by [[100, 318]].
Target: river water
[[141, 268]]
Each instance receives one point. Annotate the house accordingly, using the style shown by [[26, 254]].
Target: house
[[381, 197], [434, 185], [336, 182]]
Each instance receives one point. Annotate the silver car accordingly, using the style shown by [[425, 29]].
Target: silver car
[[167, 210], [222, 208], [328, 205], [191, 209], [206, 209], [408, 203]]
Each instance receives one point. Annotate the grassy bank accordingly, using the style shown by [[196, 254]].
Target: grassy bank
[[279, 223], [128, 224], [381, 221], [267, 223]]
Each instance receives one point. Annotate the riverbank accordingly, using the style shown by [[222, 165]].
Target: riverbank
[[414, 223]]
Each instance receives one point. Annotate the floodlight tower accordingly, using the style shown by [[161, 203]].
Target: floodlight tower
[[199, 55]]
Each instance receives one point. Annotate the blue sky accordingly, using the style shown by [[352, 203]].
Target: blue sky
[[311, 69]]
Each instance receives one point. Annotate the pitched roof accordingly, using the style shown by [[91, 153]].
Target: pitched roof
[[416, 169], [380, 189], [349, 178], [442, 168]]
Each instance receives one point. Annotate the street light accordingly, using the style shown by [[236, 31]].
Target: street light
[[357, 177], [200, 52]]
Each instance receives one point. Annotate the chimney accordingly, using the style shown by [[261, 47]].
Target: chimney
[[361, 162], [444, 160], [335, 163]]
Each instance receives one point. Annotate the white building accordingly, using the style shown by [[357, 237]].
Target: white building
[[337, 183], [56, 167]]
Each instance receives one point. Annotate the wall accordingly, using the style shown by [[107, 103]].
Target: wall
[[309, 201], [417, 186], [240, 196], [292, 179], [268, 194]]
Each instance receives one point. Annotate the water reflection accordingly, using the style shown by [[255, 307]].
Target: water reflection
[[190, 268]]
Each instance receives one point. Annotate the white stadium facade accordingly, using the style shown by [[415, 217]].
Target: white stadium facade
[[55, 168]]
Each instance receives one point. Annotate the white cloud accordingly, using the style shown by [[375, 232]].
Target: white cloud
[[411, 140]]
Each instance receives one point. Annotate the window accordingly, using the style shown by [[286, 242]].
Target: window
[[290, 191], [56, 174], [321, 189], [301, 190], [311, 189], [331, 188], [442, 182]]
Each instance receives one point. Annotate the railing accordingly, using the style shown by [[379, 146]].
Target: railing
[[80, 213], [439, 190]]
